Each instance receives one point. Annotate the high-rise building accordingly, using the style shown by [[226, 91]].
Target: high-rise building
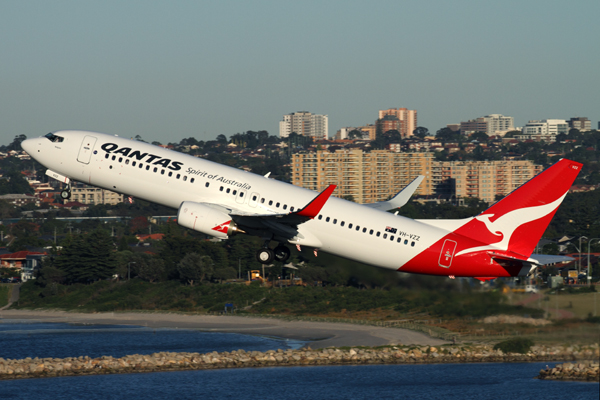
[[365, 177], [580, 123], [490, 124], [407, 118], [481, 179], [304, 123], [368, 177]]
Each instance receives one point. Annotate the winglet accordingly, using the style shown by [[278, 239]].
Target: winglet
[[400, 199], [313, 208]]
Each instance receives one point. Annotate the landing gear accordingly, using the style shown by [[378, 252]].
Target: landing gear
[[282, 253], [66, 194], [265, 255]]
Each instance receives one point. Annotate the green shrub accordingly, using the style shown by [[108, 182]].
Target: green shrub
[[516, 345]]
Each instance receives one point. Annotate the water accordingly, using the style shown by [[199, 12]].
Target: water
[[448, 381], [20, 339]]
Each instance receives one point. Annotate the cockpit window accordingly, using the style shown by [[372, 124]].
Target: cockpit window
[[53, 138]]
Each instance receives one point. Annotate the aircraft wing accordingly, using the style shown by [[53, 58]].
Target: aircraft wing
[[400, 199], [283, 224]]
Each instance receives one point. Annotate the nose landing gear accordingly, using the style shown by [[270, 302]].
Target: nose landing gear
[[66, 194]]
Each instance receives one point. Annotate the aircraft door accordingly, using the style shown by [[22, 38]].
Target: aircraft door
[[447, 253], [253, 199], [85, 151]]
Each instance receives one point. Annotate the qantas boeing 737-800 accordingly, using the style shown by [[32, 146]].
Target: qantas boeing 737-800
[[222, 201]]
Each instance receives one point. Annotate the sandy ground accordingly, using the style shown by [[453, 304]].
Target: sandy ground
[[320, 334]]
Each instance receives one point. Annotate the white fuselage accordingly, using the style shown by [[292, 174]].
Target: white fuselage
[[169, 178]]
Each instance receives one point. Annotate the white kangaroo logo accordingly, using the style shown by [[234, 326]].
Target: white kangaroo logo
[[507, 224]]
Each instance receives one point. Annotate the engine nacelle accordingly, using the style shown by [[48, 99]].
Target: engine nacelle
[[207, 220]]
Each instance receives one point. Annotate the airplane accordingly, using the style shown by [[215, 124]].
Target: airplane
[[222, 201]]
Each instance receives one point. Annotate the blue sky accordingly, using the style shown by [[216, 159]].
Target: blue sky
[[169, 70]]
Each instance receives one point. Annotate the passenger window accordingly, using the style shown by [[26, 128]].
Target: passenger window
[[162, 171], [221, 188], [113, 158], [147, 168], [399, 240], [207, 184], [253, 198], [185, 178], [262, 201], [170, 174], [155, 169], [127, 162], [285, 206], [327, 219], [270, 202], [405, 241], [413, 244], [107, 155], [335, 221], [384, 235], [349, 226], [378, 234], [192, 180], [133, 163], [371, 232], [320, 217], [365, 230], [178, 176], [241, 194], [392, 238], [141, 165], [234, 192], [120, 159], [291, 209], [228, 190]]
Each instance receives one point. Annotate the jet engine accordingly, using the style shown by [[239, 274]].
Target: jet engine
[[210, 221]]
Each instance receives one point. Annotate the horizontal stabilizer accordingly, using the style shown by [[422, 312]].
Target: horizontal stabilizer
[[544, 259]]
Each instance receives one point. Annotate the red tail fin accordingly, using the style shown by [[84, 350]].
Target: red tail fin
[[517, 222]]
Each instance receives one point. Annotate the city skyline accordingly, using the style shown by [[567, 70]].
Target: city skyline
[[166, 71]]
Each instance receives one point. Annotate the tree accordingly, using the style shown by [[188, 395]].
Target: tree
[[88, 258], [447, 135], [149, 268], [195, 268], [355, 134], [421, 132]]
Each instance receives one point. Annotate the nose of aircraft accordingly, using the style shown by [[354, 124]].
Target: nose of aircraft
[[28, 145]]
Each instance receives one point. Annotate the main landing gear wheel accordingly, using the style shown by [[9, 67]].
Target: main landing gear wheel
[[65, 194], [265, 255], [282, 253]]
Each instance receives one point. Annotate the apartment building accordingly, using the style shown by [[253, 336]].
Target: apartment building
[[365, 177], [92, 195], [546, 130], [368, 177], [304, 123], [490, 124], [481, 179], [582, 124], [407, 118]]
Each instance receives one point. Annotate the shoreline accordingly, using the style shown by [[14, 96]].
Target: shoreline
[[158, 362], [318, 334]]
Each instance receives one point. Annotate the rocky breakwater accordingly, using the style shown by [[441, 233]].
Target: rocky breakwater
[[50, 367], [582, 371]]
